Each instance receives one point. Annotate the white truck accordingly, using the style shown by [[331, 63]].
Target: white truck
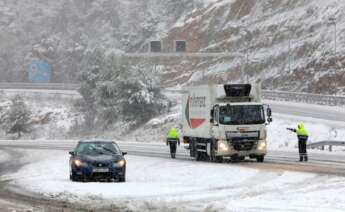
[[225, 121]]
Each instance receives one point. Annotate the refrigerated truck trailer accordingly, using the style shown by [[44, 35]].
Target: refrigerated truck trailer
[[225, 121]]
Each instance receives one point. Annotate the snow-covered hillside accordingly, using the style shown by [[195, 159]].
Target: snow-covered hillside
[[265, 29], [63, 31]]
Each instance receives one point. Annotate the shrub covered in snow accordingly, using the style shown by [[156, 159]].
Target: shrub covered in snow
[[115, 92], [16, 119]]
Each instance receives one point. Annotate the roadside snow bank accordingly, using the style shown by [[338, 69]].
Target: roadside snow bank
[[319, 130], [4, 156], [52, 114], [155, 184]]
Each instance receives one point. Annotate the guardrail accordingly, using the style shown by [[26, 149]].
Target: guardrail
[[304, 97], [322, 144], [39, 86], [294, 97], [269, 95]]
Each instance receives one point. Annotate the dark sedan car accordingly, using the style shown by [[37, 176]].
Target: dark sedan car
[[97, 160]]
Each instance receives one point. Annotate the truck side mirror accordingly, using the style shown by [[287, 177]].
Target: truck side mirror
[[269, 119], [71, 153], [269, 112], [211, 120]]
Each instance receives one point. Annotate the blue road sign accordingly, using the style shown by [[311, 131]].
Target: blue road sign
[[40, 71]]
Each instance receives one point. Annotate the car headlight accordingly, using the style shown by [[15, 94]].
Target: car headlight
[[80, 163], [119, 163], [262, 145], [223, 147]]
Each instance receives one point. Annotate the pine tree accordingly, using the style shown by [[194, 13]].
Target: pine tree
[[17, 119]]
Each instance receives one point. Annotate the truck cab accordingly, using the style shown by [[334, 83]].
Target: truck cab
[[236, 122]]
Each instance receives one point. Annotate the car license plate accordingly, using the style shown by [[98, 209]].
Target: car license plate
[[101, 170]]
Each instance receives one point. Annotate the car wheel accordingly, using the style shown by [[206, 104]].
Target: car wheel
[[73, 177], [260, 159], [84, 179], [122, 179]]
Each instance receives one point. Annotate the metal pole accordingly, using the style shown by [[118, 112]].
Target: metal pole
[[335, 55], [289, 54], [242, 70], [333, 20], [335, 38], [247, 61]]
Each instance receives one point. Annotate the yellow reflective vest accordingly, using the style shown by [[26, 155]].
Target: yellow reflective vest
[[173, 134], [301, 131]]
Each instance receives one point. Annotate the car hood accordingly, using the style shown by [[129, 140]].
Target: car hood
[[100, 158]]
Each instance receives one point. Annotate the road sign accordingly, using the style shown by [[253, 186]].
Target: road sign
[[39, 71]]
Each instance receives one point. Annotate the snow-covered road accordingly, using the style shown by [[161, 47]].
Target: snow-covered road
[[329, 113], [158, 184]]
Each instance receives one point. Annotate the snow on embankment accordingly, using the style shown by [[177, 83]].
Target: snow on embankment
[[319, 130], [156, 184], [52, 112], [4, 156]]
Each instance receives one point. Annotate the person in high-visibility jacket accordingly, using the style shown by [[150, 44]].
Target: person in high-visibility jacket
[[302, 135], [173, 138]]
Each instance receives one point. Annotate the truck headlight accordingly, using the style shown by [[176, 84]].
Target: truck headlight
[[261, 145], [80, 163], [223, 147], [119, 163]]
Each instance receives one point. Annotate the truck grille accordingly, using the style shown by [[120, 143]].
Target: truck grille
[[243, 145], [248, 135]]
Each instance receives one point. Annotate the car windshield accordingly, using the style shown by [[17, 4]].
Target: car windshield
[[241, 115], [97, 149]]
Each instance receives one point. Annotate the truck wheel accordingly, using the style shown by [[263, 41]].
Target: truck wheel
[[241, 158], [201, 156], [198, 156], [260, 159], [219, 159], [234, 159], [205, 157]]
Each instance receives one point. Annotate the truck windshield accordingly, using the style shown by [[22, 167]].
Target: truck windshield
[[241, 115]]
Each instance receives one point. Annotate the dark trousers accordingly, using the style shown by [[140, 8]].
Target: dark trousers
[[302, 147], [172, 143], [172, 147]]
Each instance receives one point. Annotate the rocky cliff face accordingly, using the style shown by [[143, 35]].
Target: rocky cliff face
[[257, 34]]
